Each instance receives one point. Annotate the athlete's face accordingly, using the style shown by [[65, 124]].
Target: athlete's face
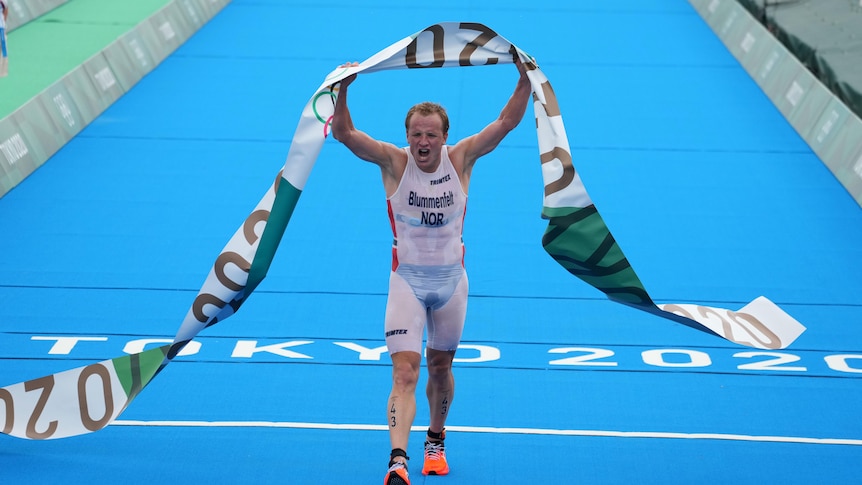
[[426, 139]]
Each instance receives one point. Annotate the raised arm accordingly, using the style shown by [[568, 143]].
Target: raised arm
[[471, 148], [359, 142]]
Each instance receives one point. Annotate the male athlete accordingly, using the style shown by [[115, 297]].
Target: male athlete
[[426, 186]]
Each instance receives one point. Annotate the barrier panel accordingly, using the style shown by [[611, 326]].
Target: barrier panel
[[21, 11], [824, 36], [30, 135], [825, 122]]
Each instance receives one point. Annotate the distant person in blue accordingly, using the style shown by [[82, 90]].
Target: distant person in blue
[[426, 186], [4, 61]]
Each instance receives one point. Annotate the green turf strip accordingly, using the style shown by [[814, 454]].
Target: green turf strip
[[45, 49]]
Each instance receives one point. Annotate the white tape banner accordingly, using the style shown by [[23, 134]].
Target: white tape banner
[[86, 399]]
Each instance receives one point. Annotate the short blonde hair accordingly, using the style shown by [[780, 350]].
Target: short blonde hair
[[428, 108]]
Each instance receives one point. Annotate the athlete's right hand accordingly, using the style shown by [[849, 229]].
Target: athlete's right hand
[[349, 79]]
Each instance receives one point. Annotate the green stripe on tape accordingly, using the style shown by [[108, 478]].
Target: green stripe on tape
[[135, 371], [579, 240], [286, 197]]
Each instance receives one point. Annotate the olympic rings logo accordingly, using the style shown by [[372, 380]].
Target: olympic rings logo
[[326, 121]]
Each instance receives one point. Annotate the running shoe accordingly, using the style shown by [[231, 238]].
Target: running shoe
[[397, 475], [435, 459]]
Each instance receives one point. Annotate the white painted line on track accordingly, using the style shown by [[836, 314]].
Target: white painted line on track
[[493, 430]]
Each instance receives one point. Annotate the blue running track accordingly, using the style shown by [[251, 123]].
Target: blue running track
[[710, 192]]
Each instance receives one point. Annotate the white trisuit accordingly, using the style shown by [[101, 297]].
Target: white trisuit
[[428, 284]]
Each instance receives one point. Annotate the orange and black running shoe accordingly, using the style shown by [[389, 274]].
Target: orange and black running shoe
[[397, 474], [435, 459]]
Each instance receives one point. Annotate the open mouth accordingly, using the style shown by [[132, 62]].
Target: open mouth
[[424, 152]]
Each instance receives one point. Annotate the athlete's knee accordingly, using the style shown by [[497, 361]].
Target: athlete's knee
[[405, 369], [439, 364]]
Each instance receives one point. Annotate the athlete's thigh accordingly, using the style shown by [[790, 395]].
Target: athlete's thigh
[[405, 317], [446, 324]]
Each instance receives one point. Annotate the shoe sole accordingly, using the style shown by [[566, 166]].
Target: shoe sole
[[395, 479]]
